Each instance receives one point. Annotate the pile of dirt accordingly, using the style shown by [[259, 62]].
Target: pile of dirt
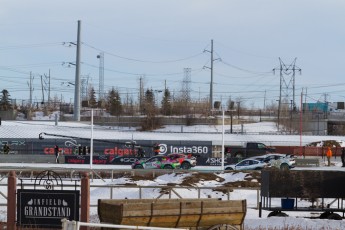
[[197, 177], [252, 179]]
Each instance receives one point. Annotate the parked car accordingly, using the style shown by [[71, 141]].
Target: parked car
[[247, 164], [157, 162], [278, 160], [248, 149], [187, 161]]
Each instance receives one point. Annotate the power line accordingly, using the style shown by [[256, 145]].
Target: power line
[[241, 77], [139, 74], [25, 46], [141, 60], [242, 69], [245, 53]]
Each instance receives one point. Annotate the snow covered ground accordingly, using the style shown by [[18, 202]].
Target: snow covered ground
[[252, 220], [265, 132], [24, 129]]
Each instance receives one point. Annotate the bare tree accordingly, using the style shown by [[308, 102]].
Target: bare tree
[[150, 121]]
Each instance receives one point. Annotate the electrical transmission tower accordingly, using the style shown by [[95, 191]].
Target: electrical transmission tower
[[101, 76], [287, 84], [31, 89], [186, 84], [84, 88], [287, 81]]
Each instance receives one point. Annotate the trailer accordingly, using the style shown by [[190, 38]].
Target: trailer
[[316, 191], [174, 213]]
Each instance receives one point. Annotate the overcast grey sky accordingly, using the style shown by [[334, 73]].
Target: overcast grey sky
[[157, 39]]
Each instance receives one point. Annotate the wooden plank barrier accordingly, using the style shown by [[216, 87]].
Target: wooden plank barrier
[[173, 213]]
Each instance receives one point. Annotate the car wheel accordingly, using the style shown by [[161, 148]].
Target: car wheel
[[284, 166], [258, 168], [229, 168], [277, 213], [168, 167], [283, 214], [325, 215], [138, 166], [334, 216], [185, 165]]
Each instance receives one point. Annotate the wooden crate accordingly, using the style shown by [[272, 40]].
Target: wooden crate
[[172, 213]]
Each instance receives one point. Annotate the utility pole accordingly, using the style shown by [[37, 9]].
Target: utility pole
[[141, 93], [211, 68], [77, 78], [305, 98], [31, 89], [326, 103], [49, 88], [265, 101], [42, 90], [211, 85]]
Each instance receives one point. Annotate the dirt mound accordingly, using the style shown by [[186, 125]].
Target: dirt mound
[[252, 179]]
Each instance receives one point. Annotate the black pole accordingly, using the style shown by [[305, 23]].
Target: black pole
[[231, 122]]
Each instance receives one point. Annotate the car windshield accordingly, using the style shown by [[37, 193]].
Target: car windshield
[[261, 146], [153, 159]]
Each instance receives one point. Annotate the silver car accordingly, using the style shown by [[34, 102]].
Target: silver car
[[278, 160], [247, 164]]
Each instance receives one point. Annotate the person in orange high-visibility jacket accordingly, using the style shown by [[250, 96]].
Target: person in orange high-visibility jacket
[[156, 149], [329, 155]]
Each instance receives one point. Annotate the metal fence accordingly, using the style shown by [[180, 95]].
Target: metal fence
[[112, 191]]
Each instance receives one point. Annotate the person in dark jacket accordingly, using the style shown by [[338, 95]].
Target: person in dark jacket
[[141, 152], [6, 149], [56, 151]]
